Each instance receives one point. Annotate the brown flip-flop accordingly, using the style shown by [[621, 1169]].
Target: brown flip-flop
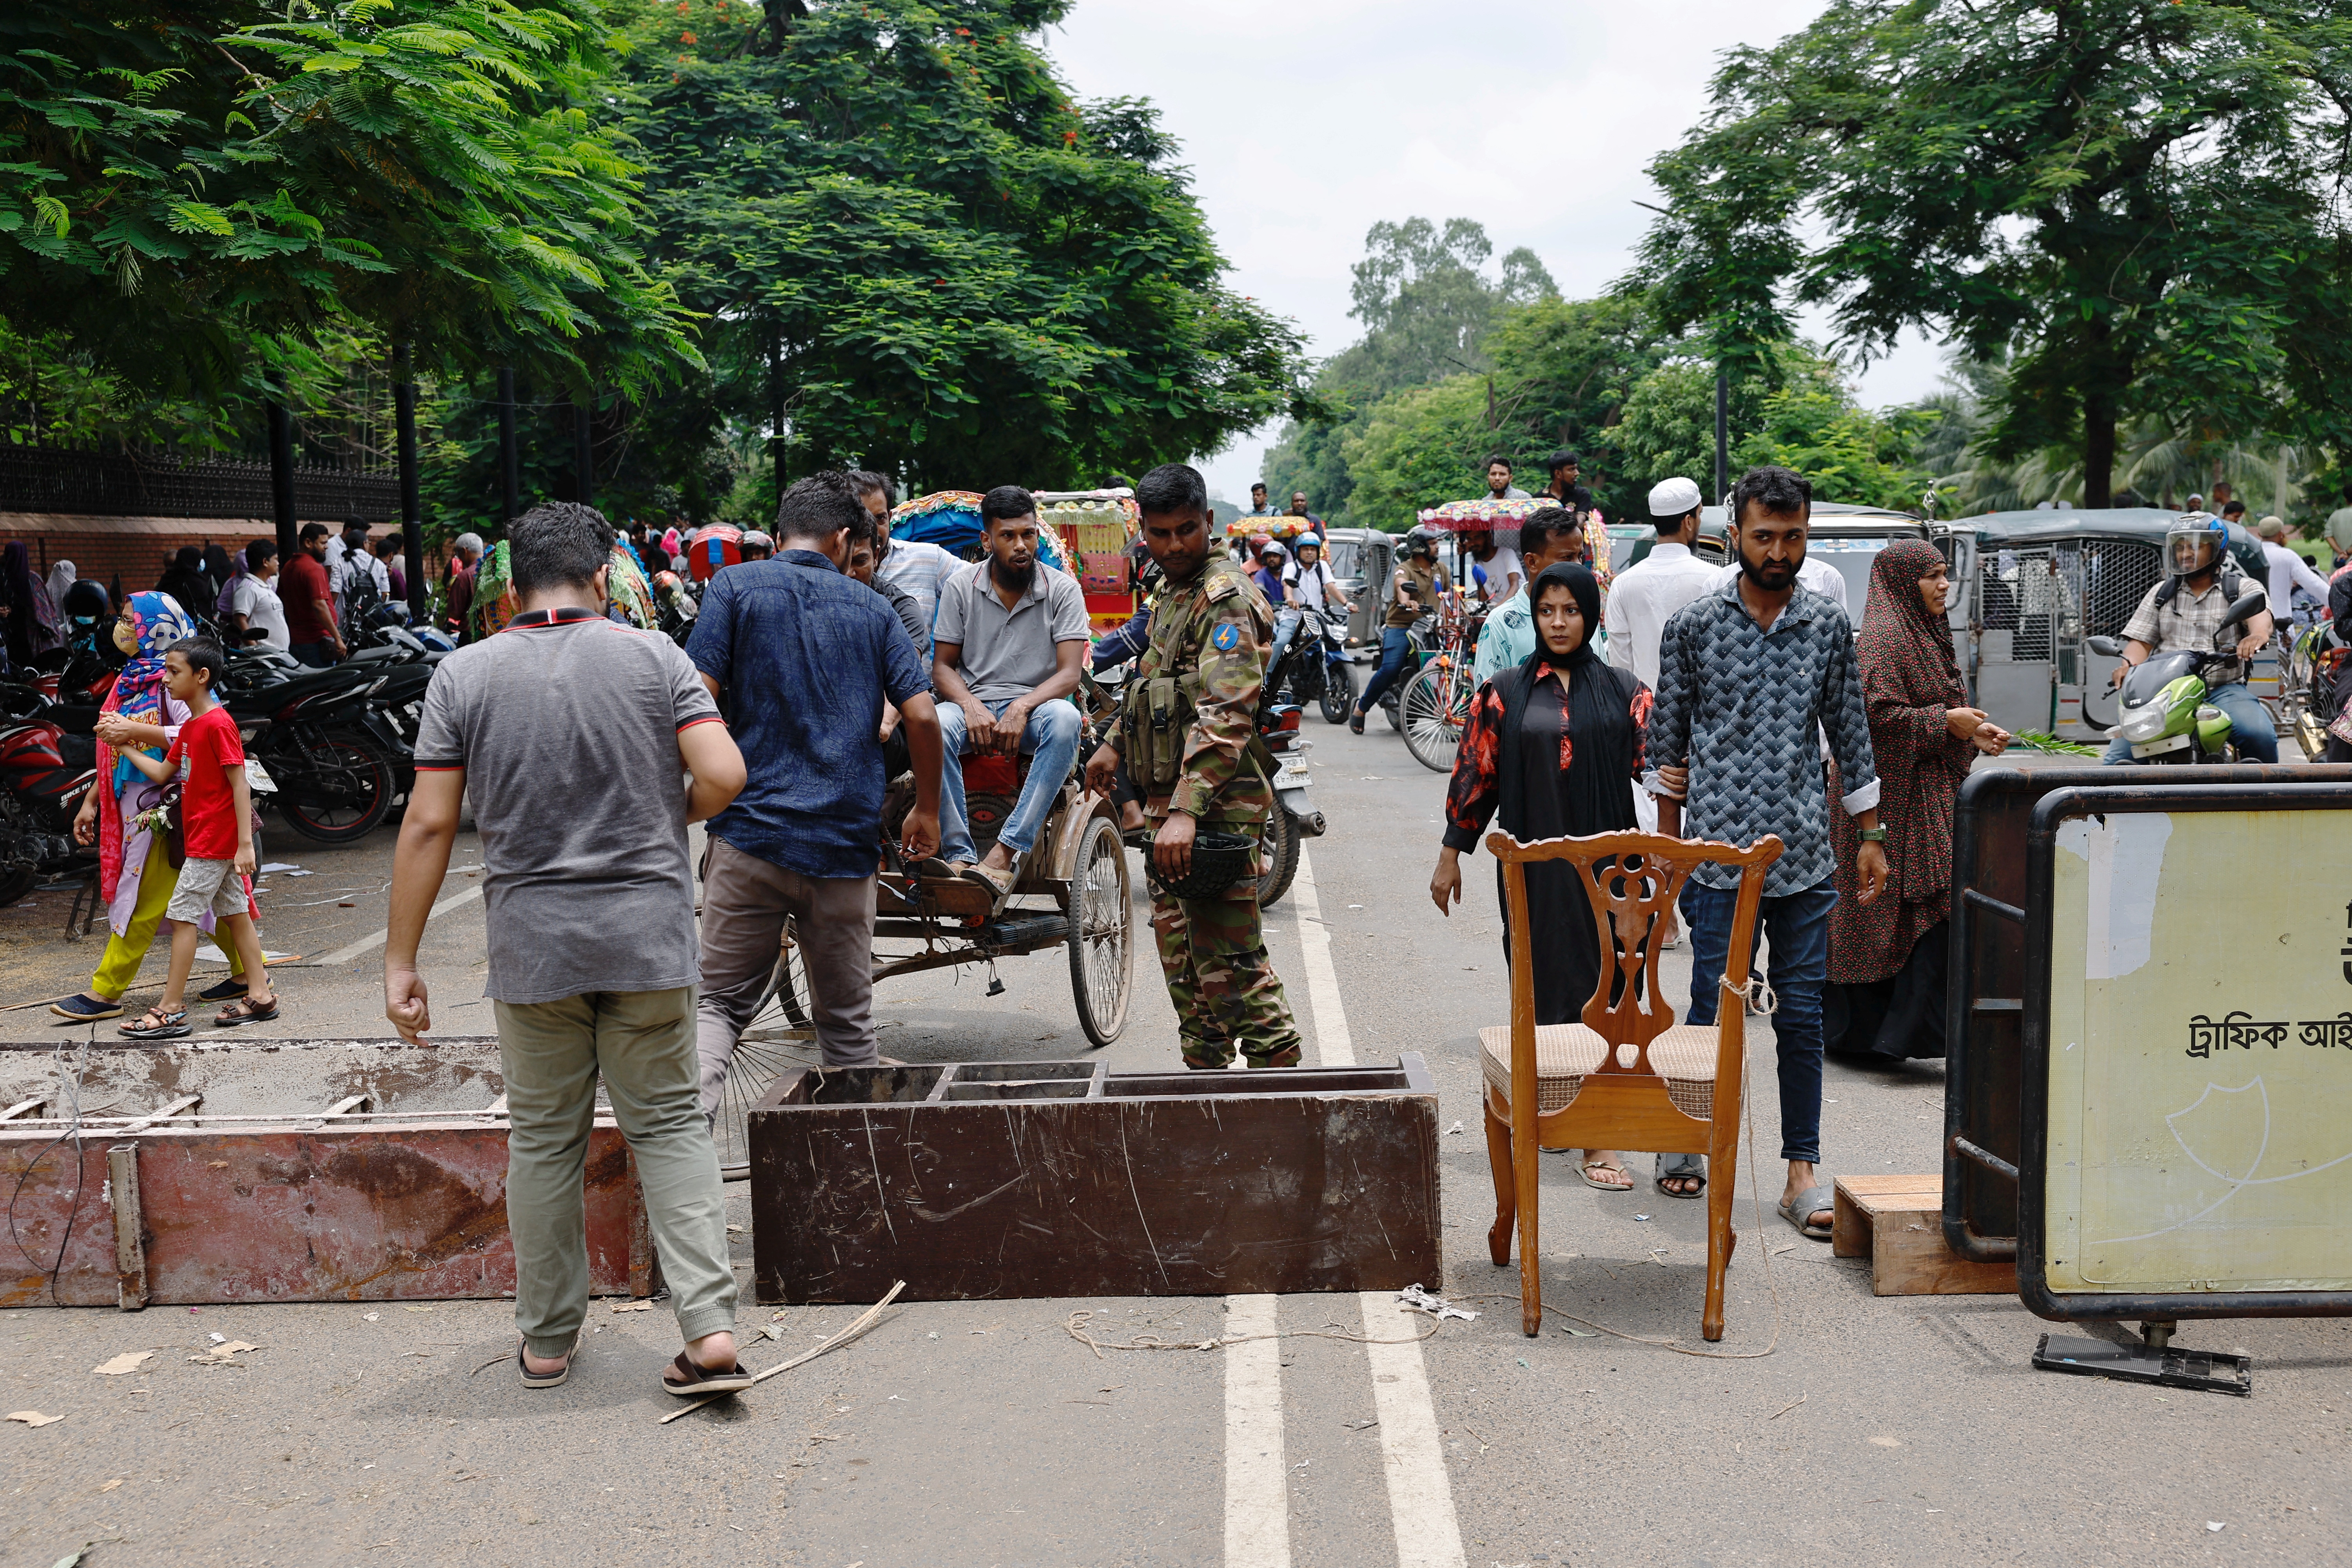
[[700, 1381]]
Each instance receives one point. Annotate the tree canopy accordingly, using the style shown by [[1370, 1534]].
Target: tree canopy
[[918, 249], [2137, 203]]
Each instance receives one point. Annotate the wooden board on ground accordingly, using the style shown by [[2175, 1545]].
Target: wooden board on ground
[[1898, 1223]]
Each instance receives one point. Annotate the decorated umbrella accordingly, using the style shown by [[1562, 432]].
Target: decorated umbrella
[[1502, 519], [1097, 530], [1285, 527], [950, 520]]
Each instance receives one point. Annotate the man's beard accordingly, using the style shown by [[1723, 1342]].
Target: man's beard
[[1769, 575], [1015, 577]]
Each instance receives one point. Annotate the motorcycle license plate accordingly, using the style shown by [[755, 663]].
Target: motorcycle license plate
[[256, 778], [1291, 774]]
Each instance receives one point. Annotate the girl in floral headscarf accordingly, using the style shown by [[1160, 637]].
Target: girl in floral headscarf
[[134, 872]]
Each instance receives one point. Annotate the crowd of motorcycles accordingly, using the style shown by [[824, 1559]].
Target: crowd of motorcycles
[[330, 751]]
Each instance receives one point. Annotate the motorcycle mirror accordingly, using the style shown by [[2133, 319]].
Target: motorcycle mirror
[[2105, 647], [2252, 603]]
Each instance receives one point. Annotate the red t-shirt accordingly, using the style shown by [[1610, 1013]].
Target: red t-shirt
[[212, 746], [301, 586]]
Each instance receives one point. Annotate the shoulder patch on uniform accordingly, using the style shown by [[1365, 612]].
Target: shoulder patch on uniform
[[1225, 637], [1224, 585]]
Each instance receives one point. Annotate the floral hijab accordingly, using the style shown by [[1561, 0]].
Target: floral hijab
[[157, 622], [1906, 653]]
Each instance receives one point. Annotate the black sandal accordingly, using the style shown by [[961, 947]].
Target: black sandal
[[542, 1379], [246, 1010], [700, 1381]]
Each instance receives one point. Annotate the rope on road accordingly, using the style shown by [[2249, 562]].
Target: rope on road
[[1077, 1327]]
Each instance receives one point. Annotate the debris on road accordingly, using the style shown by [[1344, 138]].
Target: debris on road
[[129, 1360], [1415, 1298], [224, 1353], [33, 1418], [633, 1306]]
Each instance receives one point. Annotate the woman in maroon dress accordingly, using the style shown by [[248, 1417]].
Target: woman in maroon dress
[[1886, 957], [1545, 753]]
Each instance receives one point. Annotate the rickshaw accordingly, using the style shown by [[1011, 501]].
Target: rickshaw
[[1073, 895]]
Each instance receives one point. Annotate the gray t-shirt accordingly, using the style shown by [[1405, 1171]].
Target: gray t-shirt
[[567, 729], [1009, 653]]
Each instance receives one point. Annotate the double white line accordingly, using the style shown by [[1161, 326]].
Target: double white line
[[1257, 1481]]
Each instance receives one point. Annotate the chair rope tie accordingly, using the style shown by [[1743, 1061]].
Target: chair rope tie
[[1759, 994]]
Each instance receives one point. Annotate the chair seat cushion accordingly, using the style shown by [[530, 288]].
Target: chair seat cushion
[[1565, 1053]]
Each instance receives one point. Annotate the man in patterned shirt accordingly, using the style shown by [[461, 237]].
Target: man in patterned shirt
[[1749, 676]]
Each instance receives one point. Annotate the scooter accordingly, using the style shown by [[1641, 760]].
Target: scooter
[[1317, 668], [2164, 712], [44, 773]]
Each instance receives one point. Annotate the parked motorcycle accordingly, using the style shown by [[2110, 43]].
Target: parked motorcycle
[[334, 759], [2307, 697], [2164, 713], [44, 773]]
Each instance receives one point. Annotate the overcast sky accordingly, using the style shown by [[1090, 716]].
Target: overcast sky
[[1305, 121]]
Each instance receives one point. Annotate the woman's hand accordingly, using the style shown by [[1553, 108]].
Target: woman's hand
[[1445, 883], [1963, 722], [85, 822], [1674, 782], [1991, 739]]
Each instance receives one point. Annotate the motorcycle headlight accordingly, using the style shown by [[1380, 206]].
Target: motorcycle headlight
[[2146, 725]]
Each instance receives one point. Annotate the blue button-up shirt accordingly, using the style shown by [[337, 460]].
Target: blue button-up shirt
[[805, 657], [1742, 708]]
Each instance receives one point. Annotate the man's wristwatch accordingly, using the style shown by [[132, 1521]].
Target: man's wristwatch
[[1874, 836]]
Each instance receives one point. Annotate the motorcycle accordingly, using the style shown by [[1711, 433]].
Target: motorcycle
[[1421, 635], [44, 773], [2164, 713], [1317, 668], [333, 759], [2314, 659]]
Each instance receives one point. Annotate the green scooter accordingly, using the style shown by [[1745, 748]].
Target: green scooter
[[2165, 715]]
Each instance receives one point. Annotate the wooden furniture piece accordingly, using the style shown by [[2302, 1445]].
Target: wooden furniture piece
[[1627, 1076], [977, 1180], [1896, 1222]]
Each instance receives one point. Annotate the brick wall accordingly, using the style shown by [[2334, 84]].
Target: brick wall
[[137, 549]]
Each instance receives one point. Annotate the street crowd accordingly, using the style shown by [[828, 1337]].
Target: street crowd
[[1721, 702]]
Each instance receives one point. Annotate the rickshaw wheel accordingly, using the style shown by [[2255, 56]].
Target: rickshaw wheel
[[1102, 953], [1436, 707], [758, 1063]]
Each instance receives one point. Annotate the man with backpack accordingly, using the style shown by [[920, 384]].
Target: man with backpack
[[359, 579], [2186, 611]]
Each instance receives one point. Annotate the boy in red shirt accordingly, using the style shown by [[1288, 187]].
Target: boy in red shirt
[[217, 825]]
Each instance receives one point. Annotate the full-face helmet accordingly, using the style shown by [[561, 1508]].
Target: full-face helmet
[[2195, 541]]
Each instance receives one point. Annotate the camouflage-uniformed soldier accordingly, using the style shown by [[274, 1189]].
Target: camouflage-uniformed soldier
[[1186, 734]]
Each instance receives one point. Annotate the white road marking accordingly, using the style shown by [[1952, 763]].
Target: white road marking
[[369, 943], [1258, 1482], [1421, 1494]]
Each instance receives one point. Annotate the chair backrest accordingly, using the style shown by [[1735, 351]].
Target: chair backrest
[[1631, 880]]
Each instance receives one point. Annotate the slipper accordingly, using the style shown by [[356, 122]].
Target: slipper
[[1687, 1166], [1587, 1169], [542, 1379], [167, 1025], [246, 1010], [1798, 1211], [228, 990], [700, 1381], [932, 867], [1355, 723], [83, 1009]]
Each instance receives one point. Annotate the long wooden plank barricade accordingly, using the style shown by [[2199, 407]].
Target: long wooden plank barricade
[[2149, 1100]]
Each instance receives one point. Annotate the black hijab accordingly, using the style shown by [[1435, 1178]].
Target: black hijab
[[1597, 790]]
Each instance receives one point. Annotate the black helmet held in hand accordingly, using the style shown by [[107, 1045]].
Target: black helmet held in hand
[[1219, 860]]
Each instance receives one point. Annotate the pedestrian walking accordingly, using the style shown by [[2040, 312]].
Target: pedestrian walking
[[313, 631], [1420, 582], [1187, 730], [1548, 537], [255, 613], [465, 562], [1749, 679], [803, 660], [1646, 595], [1551, 748], [559, 730], [135, 875], [1886, 957]]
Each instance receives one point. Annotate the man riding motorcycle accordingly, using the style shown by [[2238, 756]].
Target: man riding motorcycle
[[2185, 612], [1420, 582]]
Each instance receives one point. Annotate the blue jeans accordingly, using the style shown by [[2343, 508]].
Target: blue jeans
[[1798, 925], [1285, 627], [1052, 740], [2250, 725], [1395, 647]]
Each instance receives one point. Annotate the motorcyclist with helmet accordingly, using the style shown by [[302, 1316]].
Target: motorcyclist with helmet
[[1420, 580], [2185, 612]]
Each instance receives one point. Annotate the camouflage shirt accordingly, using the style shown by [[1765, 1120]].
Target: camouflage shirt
[[1215, 626]]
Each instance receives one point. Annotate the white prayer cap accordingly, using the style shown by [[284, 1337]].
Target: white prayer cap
[[1673, 497]]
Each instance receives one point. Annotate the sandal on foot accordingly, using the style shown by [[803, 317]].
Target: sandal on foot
[[542, 1379], [83, 1008], [1799, 1210], [157, 1024], [246, 1010], [1679, 1167], [228, 990], [1590, 1166], [699, 1380], [1355, 723]]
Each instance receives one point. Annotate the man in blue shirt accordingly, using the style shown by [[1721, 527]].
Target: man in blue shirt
[[1749, 676], [802, 659]]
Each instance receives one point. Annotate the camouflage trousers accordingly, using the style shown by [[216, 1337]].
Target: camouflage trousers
[[1226, 994]]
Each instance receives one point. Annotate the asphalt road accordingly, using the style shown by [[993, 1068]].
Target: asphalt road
[[1855, 1429]]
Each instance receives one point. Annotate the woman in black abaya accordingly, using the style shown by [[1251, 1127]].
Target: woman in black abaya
[[1545, 753]]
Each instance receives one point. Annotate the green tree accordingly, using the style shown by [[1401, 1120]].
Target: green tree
[[2138, 200], [920, 251], [176, 184]]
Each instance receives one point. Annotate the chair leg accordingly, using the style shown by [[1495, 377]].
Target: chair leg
[[1507, 1203], [1722, 1173], [1526, 1154]]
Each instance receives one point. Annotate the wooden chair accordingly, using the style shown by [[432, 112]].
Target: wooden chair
[[1628, 1077]]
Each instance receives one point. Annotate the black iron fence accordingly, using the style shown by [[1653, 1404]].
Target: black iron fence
[[136, 484]]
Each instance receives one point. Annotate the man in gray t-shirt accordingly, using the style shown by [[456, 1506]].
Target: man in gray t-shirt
[[561, 729], [1010, 639]]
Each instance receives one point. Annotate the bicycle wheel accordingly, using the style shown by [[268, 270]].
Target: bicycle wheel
[[1102, 955], [758, 1063], [1436, 704]]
